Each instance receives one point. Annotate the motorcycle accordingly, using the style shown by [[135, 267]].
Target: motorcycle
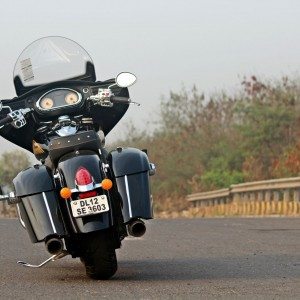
[[80, 200]]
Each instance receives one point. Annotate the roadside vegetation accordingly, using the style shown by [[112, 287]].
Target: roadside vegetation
[[11, 163], [205, 144]]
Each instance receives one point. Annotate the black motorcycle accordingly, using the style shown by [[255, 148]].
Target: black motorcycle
[[80, 200]]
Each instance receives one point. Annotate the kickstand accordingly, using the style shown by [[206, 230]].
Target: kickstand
[[52, 258]]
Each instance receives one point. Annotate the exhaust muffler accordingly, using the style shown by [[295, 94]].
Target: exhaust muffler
[[136, 228], [54, 246]]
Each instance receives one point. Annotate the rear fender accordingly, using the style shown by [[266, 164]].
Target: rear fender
[[67, 167]]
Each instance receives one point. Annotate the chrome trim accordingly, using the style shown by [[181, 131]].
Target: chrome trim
[[18, 117], [37, 104], [56, 176], [85, 188], [52, 258], [94, 186], [13, 199], [49, 212], [10, 198], [19, 217], [4, 106], [66, 130], [116, 80], [4, 198], [152, 170], [128, 196]]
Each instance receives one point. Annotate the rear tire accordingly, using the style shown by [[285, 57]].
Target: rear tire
[[100, 258]]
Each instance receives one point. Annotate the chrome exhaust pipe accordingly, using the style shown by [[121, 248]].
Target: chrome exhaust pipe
[[136, 228], [54, 246]]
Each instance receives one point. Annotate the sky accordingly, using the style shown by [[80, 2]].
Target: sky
[[168, 44]]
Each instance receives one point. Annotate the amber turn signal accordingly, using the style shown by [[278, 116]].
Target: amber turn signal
[[106, 184], [36, 148], [65, 193]]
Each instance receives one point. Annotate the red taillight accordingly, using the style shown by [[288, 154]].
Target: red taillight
[[87, 194], [83, 176]]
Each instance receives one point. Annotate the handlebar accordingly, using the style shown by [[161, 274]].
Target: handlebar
[[16, 118], [106, 98], [116, 99], [8, 119]]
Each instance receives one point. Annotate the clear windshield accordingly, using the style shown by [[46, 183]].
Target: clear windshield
[[51, 59]]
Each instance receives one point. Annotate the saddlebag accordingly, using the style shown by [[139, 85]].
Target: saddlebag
[[131, 169], [39, 208]]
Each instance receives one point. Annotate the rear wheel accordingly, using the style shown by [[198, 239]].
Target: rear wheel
[[100, 258]]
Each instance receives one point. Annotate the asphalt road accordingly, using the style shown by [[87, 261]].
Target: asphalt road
[[190, 259]]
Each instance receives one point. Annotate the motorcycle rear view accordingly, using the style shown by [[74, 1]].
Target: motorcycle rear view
[[79, 200]]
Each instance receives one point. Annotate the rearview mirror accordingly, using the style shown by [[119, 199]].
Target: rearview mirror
[[125, 79]]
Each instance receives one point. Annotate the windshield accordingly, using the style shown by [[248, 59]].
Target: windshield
[[52, 59]]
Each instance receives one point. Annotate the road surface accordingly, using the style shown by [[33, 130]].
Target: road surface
[[197, 258]]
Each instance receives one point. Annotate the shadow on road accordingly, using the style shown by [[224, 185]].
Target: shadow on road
[[188, 269], [220, 268]]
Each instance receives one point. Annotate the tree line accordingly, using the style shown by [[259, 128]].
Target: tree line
[[207, 143]]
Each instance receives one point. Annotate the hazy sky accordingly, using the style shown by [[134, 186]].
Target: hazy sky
[[210, 43]]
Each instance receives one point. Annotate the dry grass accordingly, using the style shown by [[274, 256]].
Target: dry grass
[[245, 208], [7, 211]]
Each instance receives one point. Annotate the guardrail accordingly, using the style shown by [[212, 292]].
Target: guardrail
[[277, 196]]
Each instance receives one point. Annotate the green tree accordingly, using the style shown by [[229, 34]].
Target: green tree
[[269, 123]]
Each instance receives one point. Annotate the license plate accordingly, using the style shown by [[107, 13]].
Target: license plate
[[89, 206]]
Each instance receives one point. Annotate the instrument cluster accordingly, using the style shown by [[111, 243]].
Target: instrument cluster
[[58, 98]]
